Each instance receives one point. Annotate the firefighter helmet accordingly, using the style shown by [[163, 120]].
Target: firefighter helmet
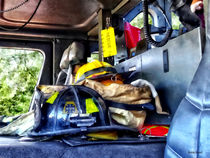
[[94, 69], [73, 110]]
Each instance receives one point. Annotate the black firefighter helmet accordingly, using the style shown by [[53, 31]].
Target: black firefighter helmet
[[76, 109]]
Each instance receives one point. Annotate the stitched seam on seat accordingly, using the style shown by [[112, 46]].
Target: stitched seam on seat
[[174, 151], [188, 99], [201, 109], [199, 135]]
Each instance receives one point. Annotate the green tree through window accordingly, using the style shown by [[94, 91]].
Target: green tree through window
[[19, 71], [138, 21], [94, 56], [175, 21]]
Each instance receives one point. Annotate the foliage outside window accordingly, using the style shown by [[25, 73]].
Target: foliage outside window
[[19, 71], [175, 21], [94, 56], [138, 21]]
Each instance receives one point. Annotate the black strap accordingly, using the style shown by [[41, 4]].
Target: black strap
[[73, 142], [95, 95], [136, 107]]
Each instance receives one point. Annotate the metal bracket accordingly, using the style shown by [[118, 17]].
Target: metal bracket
[[165, 61]]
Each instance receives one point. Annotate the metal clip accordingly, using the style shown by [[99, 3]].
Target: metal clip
[[108, 22]]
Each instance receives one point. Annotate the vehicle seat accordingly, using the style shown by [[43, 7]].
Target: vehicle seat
[[73, 55], [189, 132]]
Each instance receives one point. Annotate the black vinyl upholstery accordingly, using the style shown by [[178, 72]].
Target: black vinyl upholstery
[[11, 147]]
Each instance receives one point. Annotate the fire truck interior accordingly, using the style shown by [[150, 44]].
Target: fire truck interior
[[175, 61]]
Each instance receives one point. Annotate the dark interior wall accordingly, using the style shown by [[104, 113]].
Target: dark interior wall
[[52, 45]]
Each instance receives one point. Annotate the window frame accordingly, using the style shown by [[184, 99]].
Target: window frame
[[157, 17], [46, 48]]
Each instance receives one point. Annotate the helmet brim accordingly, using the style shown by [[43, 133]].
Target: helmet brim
[[82, 130]]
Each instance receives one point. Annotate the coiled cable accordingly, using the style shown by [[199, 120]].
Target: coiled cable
[[21, 27], [146, 26]]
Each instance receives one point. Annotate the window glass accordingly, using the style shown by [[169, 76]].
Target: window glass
[[19, 72], [175, 21], [94, 56], [138, 21]]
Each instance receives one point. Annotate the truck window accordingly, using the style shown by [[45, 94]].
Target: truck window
[[138, 21], [175, 21], [19, 72], [93, 56]]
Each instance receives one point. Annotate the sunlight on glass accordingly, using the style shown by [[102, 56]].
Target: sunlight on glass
[[19, 71], [138, 21], [175, 21], [94, 56]]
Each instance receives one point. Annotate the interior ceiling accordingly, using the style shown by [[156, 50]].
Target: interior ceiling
[[56, 14]]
